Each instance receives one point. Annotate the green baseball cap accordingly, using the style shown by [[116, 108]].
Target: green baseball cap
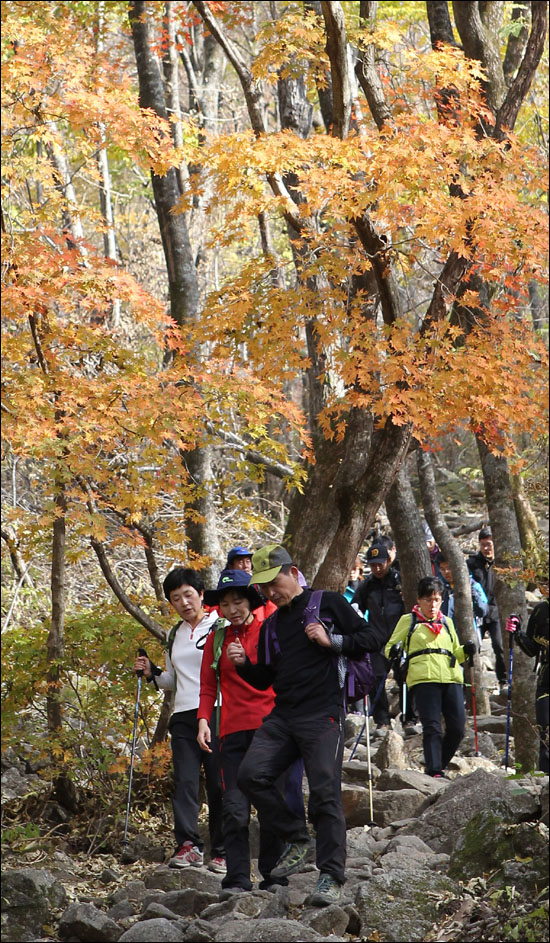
[[267, 562]]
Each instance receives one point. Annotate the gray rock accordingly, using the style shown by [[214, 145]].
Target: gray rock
[[156, 909], [168, 879], [357, 771], [360, 843], [132, 890], [15, 784], [143, 848], [85, 922], [327, 920], [356, 803], [489, 841], [267, 931], [492, 724], [200, 931], [441, 824], [278, 905], [108, 876], [400, 906], [250, 904], [188, 902], [155, 931], [410, 779], [391, 753], [28, 894], [394, 803], [124, 908]]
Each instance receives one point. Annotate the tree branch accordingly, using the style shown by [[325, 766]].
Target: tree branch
[[367, 73], [508, 112], [336, 47], [256, 110]]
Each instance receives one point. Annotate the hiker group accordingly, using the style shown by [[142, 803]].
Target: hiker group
[[264, 670]]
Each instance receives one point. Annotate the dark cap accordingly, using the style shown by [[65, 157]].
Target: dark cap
[[484, 533], [267, 562], [238, 552], [377, 553], [233, 579]]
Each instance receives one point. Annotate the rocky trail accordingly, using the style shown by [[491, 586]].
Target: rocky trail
[[463, 858]]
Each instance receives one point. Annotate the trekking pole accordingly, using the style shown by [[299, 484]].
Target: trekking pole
[[472, 686], [365, 724], [513, 623], [142, 652], [369, 764]]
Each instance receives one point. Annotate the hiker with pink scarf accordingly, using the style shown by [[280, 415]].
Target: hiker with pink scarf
[[432, 657]]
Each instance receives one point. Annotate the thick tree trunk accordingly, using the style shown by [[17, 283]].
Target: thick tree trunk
[[464, 615], [408, 533], [510, 596]]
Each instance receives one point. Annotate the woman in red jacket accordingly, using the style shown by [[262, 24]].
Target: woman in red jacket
[[242, 710]]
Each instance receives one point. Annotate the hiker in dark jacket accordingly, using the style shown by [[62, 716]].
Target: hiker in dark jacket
[[480, 566], [379, 599], [300, 659], [534, 642]]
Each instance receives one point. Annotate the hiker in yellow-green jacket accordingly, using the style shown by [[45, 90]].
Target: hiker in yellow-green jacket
[[432, 654]]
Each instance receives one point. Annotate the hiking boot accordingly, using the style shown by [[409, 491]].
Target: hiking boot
[[187, 856], [217, 865], [327, 891], [292, 859]]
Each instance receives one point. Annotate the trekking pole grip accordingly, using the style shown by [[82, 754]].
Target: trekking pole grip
[[143, 654]]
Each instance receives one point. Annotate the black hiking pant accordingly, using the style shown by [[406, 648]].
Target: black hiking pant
[[236, 818], [319, 739], [493, 629], [433, 700], [188, 757]]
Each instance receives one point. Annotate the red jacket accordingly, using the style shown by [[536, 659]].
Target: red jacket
[[243, 707]]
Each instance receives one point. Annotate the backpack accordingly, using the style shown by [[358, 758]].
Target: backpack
[[356, 675]]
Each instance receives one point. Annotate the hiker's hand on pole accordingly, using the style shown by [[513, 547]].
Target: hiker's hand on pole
[[236, 652], [317, 633], [142, 663], [204, 738]]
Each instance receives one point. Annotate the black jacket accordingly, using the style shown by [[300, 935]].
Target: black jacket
[[304, 674], [383, 601], [482, 571]]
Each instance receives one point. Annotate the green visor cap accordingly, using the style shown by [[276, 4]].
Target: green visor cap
[[267, 562]]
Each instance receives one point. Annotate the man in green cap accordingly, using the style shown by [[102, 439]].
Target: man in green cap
[[300, 653]]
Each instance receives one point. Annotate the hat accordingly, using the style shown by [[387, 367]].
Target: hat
[[237, 552], [427, 532], [233, 579], [484, 533], [377, 553], [267, 562]]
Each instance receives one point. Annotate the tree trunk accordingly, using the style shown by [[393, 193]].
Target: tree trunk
[[464, 615], [183, 284], [408, 533], [510, 597]]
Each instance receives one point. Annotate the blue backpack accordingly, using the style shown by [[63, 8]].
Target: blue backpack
[[359, 678]]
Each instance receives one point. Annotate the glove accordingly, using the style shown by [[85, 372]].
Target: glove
[[470, 648], [513, 623], [396, 650]]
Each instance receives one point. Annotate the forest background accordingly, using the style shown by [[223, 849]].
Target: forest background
[[271, 271]]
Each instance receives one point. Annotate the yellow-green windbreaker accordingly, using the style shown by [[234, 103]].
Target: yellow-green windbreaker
[[435, 668]]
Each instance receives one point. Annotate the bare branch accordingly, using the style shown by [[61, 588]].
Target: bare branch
[[508, 112]]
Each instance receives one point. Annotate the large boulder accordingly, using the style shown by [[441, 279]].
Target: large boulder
[[155, 931], [441, 823], [400, 905], [491, 844], [28, 895]]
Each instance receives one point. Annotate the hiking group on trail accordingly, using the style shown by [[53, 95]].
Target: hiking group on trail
[[264, 670]]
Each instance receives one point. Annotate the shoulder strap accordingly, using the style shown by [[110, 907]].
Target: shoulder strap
[[412, 627], [171, 637], [271, 641], [219, 635], [313, 609]]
